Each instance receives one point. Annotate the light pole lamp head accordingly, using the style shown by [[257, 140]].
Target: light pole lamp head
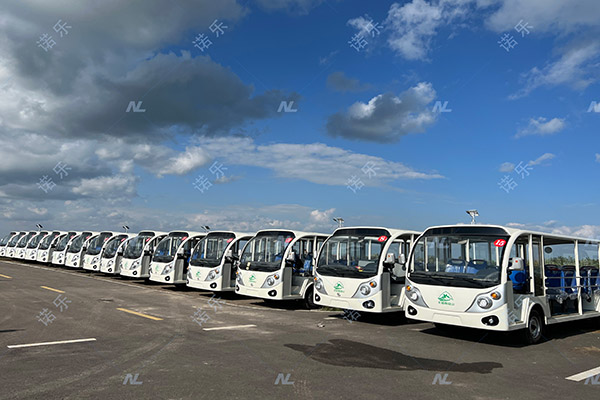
[[340, 221], [473, 214]]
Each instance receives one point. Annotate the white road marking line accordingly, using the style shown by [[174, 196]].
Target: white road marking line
[[17, 346], [582, 375], [229, 327], [331, 318]]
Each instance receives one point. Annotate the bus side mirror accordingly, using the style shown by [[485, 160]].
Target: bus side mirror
[[402, 259], [180, 252], [516, 264]]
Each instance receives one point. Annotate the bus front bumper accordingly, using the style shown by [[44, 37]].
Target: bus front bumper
[[495, 320], [372, 303], [272, 293]]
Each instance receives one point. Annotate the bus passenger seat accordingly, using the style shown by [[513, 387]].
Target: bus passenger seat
[[554, 283], [475, 266], [455, 265], [570, 282]]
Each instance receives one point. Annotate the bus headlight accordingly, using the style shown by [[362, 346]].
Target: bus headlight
[[366, 289], [238, 278], [110, 263], [94, 260], [414, 295], [168, 269], [484, 302], [319, 286], [212, 275], [271, 280], [134, 264], [487, 301]]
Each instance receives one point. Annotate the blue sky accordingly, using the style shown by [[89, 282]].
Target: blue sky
[[527, 105]]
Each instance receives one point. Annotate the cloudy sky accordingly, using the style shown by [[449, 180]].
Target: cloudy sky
[[286, 113]]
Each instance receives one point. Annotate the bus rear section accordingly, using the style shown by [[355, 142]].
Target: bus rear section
[[212, 264], [278, 265], [171, 257], [363, 269], [137, 254]]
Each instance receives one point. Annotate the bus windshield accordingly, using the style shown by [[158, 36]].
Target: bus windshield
[[264, 252], [77, 243], [5, 239], [353, 253], [33, 243], [167, 248], [62, 243], [113, 245], [23, 241], [47, 240], [96, 243], [15, 239], [135, 246], [210, 250], [460, 260]]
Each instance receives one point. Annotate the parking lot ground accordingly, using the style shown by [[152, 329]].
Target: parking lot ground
[[75, 335]]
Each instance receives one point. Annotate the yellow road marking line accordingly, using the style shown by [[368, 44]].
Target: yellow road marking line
[[139, 314], [49, 288], [6, 276]]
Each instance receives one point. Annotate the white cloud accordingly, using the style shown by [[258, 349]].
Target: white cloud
[[542, 126], [541, 159], [386, 117], [182, 163], [115, 186], [577, 67], [314, 162], [597, 158], [507, 167]]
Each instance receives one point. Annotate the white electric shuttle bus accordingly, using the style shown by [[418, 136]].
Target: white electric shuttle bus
[[502, 279], [110, 258], [212, 265], [363, 269], [171, 257], [76, 249], [12, 243], [47, 246], [138, 254], [4, 242], [278, 265], [91, 255], [21, 247], [32, 246], [59, 255]]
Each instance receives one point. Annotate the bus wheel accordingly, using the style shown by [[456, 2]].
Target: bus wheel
[[309, 301], [535, 328]]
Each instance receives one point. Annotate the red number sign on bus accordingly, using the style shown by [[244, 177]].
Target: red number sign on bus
[[382, 238], [229, 240], [500, 243], [287, 240]]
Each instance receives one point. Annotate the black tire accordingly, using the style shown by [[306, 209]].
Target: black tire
[[535, 328], [309, 301]]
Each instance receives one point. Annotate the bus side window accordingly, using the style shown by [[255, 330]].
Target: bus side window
[[520, 279]]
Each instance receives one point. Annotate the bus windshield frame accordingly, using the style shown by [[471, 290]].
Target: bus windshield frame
[[354, 247], [62, 243], [35, 241], [13, 242], [111, 247], [47, 240], [23, 241], [78, 242], [6, 239], [95, 246], [459, 257], [210, 250], [269, 257], [168, 247], [135, 247]]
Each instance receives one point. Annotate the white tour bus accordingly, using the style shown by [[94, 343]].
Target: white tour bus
[[32, 246], [12, 244], [4, 242], [363, 269], [91, 254], [502, 279], [171, 257], [21, 247], [212, 262], [277, 265], [47, 246], [76, 249], [138, 254], [110, 258], [59, 255]]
